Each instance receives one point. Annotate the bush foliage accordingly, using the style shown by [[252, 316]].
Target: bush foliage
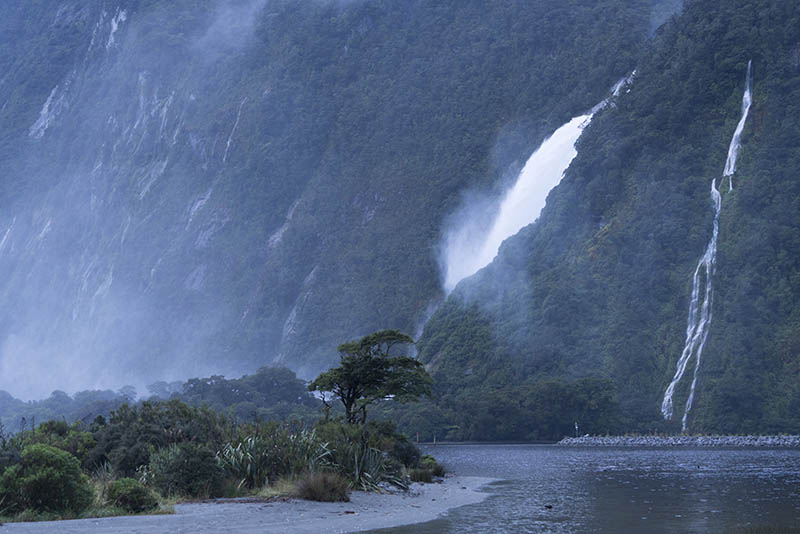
[[47, 480], [187, 470], [132, 496]]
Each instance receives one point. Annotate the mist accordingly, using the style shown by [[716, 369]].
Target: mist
[[110, 237]]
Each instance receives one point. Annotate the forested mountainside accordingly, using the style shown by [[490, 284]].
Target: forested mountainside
[[193, 188], [598, 291]]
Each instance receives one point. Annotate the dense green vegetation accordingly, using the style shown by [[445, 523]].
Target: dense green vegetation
[[156, 450], [47, 479], [599, 287], [544, 410]]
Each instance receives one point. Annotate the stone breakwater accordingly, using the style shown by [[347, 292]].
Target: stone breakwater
[[684, 441]]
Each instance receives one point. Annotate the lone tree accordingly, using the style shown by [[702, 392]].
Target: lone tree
[[368, 372]]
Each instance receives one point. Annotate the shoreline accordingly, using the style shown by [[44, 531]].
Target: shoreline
[[365, 511], [736, 442]]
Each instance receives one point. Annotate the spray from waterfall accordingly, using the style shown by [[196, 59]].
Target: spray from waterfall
[[700, 311], [471, 245]]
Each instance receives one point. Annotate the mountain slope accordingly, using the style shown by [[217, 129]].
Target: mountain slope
[[201, 188], [600, 285]]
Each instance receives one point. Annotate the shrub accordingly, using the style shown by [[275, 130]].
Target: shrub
[[47, 480], [125, 460], [133, 431], [59, 434], [367, 468], [354, 455], [131, 495], [383, 435], [420, 475], [429, 462], [258, 459], [187, 469], [324, 487], [404, 451]]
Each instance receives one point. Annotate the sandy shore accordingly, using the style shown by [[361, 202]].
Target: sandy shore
[[365, 511]]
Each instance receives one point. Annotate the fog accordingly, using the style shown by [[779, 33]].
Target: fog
[[112, 234]]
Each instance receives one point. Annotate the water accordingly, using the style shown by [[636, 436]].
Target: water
[[620, 490], [736, 141], [543, 171]]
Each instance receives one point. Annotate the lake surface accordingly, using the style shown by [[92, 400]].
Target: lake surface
[[620, 490]]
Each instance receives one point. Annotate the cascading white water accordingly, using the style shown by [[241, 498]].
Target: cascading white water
[[520, 206], [466, 252], [733, 149], [233, 130], [543, 171], [699, 323], [697, 327]]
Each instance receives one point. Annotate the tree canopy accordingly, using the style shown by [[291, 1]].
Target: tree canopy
[[369, 372]]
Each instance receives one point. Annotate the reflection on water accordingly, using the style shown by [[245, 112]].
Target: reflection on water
[[560, 490]]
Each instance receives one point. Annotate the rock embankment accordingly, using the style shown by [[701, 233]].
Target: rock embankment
[[684, 441]]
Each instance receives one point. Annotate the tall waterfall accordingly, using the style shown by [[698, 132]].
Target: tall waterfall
[[520, 206], [698, 323], [700, 311], [733, 149], [466, 252]]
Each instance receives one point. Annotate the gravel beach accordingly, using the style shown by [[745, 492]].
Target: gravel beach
[[365, 511], [785, 441]]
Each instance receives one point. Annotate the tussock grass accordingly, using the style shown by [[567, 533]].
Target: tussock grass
[[282, 487], [323, 487], [420, 475]]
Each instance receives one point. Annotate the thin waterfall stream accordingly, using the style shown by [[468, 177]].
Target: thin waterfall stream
[[700, 312]]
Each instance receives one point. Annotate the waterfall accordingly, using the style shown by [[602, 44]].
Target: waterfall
[[520, 205], [467, 249], [698, 323], [233, 130], [700, 311], [736, 142]]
